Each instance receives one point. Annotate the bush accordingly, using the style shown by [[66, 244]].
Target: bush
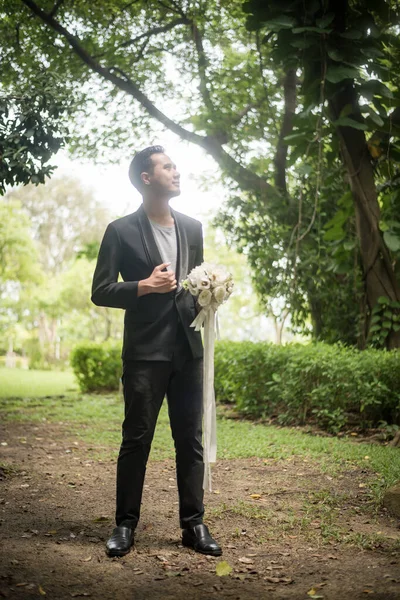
[[331, 384], [97, 366]]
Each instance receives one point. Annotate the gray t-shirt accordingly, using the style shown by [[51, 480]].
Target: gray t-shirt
[[166, 242]]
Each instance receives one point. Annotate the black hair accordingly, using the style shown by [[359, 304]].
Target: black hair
[[141, 163]]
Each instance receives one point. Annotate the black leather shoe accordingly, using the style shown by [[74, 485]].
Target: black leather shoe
[[199, 538], [120, 542]]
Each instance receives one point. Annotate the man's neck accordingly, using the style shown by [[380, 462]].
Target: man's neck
[[158, 210]]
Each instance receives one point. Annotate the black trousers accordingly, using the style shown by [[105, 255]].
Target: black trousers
[[145, 385]]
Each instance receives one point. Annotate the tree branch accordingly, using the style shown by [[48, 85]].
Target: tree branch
[[56, 6], [380, 139], [244, 177], [202, 63], [289, 90], [154, 31]]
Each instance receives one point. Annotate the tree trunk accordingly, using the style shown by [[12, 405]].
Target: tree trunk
[[379, 275]]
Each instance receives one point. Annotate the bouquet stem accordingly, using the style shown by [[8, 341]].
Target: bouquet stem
[[209, 410]]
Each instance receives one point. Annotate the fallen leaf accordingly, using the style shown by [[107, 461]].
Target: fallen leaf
[[223, 568], [255, 496], [313, 593], [100, 519], [41, 591], [88, 559], [173, 573], [77, 594], [368, 591], [162, 558], [246, 561]]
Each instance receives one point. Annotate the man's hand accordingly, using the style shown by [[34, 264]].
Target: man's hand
[[159, 282]]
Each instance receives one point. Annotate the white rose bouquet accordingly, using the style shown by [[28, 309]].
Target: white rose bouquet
[[212, 285]]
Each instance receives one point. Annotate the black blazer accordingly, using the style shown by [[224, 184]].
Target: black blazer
[[129, 248]]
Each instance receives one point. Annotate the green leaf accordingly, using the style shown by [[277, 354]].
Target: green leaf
[[335, 54], [383, 300], [383, 226], [374, 328], [392, 241], [325, 20], [387, 324], [335, 74], [281, 22], [223, 568], [304, 42], [346, 110], [311, 29], [375, 117], [296, 136], [396, 327], [347, 122], [349, 245], [334, 235], [375, 87], [352, 34]]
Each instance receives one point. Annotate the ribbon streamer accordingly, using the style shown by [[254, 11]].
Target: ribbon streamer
[[207, 317]]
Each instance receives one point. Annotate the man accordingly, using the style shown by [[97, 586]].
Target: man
[[153, 250]]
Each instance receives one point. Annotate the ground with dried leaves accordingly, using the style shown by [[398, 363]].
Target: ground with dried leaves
[[288, 529]]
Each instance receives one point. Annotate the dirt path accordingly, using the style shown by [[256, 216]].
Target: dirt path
[[56, 511]]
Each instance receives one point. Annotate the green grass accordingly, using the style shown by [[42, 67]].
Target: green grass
[[24, 383], [96, 419]]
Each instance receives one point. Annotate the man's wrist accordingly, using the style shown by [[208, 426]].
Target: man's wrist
[[143, 288]]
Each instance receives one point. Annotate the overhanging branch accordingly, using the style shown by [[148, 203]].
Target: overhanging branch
[[243, 176]]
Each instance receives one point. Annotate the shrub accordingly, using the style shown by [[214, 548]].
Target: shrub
[[330, 384], [97, 366]]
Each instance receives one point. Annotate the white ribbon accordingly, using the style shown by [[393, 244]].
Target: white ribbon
[[207, 317]]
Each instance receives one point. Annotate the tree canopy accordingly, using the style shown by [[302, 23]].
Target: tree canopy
[[297, 103]]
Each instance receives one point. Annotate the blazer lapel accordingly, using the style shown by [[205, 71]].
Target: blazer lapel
[[182, 247], [149, 243], [151, 248]]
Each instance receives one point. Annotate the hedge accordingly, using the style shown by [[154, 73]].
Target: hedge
[[334, 385], [331, 385], [97, 367]]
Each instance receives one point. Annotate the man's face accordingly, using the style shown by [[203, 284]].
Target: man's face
[[165, 178]]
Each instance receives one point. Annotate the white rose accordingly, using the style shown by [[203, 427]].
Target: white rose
[[193, 289], [203, 283], [204, 298], [219, 294]]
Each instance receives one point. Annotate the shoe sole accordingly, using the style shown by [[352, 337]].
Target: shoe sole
[[210, 553], [113, 553]]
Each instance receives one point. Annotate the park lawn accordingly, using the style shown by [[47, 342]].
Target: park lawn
[[96, 420], [25, 383]]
